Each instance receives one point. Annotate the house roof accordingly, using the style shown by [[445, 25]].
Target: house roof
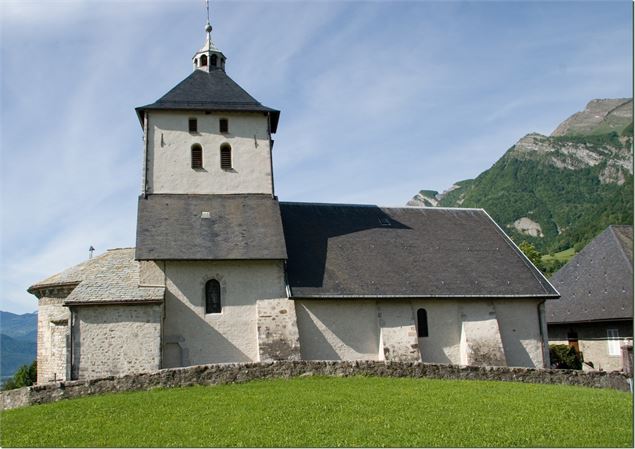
[[112, 277], [210, 91], [597, 283], [172, 227], [337, 250]]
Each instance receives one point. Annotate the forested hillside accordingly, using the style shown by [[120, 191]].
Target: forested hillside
[[558, 191]]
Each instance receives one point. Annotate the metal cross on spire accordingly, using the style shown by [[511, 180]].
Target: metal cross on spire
[[208, 25]]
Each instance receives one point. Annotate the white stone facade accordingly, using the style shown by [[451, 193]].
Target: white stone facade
[[192, 337], [169, 161]]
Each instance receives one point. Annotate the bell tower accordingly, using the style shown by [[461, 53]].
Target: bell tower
[[207, 135], [209, 57]]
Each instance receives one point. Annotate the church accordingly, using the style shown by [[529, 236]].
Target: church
[[224, 272]]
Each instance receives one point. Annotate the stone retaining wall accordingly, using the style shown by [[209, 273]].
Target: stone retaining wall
[[243, 372]]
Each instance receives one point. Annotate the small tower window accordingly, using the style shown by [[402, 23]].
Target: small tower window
[[212, 296], [203, 60], [422, 323], [225, 156], [193, 125], [197, 156], [213, 60], [223, 125]]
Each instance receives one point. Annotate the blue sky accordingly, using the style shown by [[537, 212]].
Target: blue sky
[[378, 101]]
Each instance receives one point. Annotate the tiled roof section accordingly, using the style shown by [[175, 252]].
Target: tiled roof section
[[109, 277], [367, 251], [209, 227], [597, 283], [211, 91]]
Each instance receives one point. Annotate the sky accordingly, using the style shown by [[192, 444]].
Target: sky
[[379, 100]]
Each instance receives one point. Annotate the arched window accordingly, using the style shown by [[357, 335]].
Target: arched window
[[212, 296], [197, 156], [422, 323], [213, 60], [203, 60], [225, 156]]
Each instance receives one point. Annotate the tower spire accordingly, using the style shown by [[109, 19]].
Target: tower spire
[[209, 57]]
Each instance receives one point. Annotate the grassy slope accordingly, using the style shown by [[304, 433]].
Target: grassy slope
[[333, 412], [563, 256]]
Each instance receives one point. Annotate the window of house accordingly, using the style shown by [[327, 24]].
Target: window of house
[[225, 156], [422, 323], [212, 296], [213, 61], [197, 156], [613, 341], [572, 340], [203, 60], [193, 125], [223, 125]]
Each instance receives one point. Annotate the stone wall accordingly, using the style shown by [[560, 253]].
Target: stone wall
[[116, 340], [243, 372], [52, 338]]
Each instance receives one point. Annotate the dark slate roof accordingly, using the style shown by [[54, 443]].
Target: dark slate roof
[[597, 283], [210, 91], [337, 250], [171, 227]]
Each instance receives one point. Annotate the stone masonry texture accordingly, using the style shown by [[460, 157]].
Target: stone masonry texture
[[244, 372]]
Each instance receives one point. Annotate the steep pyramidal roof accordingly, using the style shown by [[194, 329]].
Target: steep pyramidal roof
[[210, 91], [337, 250], [596, 284]]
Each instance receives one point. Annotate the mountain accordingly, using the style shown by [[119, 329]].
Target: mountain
[[557, 191], [18, 341]]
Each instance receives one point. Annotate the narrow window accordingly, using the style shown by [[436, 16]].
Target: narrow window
[[213, 61], [197, 156], [614, 341], [193, 125], [203, 60], [223, 125], [422, 323], [212, 296], [225, 157]]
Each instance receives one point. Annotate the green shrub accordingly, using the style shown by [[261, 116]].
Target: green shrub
[[25, 375], [565, 357]]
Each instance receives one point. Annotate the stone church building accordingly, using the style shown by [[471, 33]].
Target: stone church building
[[224, 272]]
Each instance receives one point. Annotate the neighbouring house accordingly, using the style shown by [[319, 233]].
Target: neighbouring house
[[224, 272], [595, 312]]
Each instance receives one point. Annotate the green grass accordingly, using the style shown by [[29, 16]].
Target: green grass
[[563, 256], [360, 411]]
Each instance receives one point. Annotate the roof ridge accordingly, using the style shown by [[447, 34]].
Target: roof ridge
[[620, 246]]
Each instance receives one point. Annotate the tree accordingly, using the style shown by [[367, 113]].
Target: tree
[[25, 375], [531, 253]]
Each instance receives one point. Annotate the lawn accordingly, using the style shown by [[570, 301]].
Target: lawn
[[562, 256], [358, 411]]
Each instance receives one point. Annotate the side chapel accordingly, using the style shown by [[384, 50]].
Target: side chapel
[[224, 272]]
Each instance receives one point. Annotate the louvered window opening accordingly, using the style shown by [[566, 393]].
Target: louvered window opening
[[226, 158], [193, 125], [212, 297], [223, 125], [197, 156]]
